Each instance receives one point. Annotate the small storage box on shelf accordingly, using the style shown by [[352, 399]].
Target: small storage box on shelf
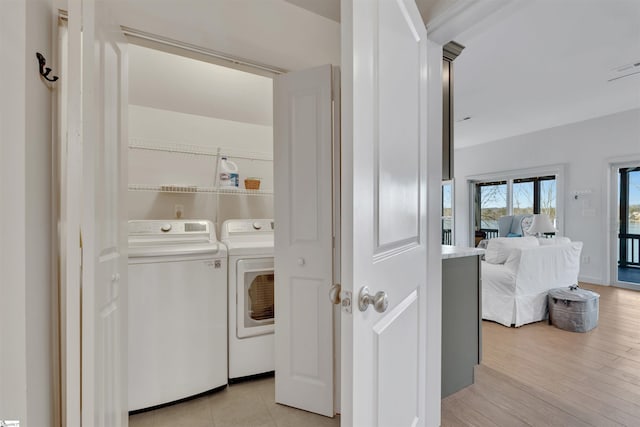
[[573, 309], [252, 183]]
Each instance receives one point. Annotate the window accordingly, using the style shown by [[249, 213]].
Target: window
[[629, 224], [535, 195], [491, 204], [523, 197], [447, 213], [547, 196], [517, 196]]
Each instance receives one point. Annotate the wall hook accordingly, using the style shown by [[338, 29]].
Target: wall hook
[[44, 70]]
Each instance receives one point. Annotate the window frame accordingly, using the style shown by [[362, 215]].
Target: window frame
[[542, 173], [481, 184], [451, 183], [536, 188]]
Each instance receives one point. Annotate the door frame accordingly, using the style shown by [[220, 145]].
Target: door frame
[[610, 219], [172, 46], [70, 250], [434, 232]]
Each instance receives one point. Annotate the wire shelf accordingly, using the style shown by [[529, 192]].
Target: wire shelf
[[192, 189]]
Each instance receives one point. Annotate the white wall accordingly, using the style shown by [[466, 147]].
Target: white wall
[[175, 126], [586, 149], [26, 287], [271, 32], [13, 375], [155, 127]]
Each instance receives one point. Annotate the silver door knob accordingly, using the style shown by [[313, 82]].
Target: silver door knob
[[379, 301], [334, 293]]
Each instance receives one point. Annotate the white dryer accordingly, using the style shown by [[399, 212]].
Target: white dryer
[[251, 296], [177, 311]]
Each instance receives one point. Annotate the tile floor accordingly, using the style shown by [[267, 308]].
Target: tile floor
[[247, 404]]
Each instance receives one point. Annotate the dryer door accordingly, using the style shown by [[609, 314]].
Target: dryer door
[[255, 302]]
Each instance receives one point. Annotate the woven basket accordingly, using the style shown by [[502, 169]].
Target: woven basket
[[252, 183]]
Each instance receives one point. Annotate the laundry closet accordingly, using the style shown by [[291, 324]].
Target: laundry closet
[[201, 183], [197, 132]]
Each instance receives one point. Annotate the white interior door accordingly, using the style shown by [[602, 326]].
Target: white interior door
[[384, 189], [98, 115], [303, 150]]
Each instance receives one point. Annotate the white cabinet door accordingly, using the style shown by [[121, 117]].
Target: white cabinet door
[[384, 191], [97, 118], [303, 150]]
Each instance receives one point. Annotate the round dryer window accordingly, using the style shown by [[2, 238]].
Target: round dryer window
[[260, 304]]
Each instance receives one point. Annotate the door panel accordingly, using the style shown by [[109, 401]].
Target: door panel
[[100, 110], [307, 296], [397, 128], [397, 364], [303, 161], [384, 212], [303, 150]]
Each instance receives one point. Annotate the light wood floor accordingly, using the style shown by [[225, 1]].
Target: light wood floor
[[539, 375]]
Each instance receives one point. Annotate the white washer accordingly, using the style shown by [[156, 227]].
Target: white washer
[[177, 311], [251, 296]]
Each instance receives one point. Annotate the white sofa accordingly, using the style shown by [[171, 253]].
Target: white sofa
[[518, 272]]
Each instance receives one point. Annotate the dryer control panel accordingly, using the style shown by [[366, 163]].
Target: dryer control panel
[[247, 226]]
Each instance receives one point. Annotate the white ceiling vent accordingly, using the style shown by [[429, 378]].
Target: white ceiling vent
[[624, 71]]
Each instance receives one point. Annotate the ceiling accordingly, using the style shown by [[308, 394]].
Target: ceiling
[[530, 65], [546, 63], [331, 8], [291, 34]]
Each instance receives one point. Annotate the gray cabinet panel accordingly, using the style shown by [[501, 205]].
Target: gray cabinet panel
[[461, 322]]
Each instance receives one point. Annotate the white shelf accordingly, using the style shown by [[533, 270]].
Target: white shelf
[[244, 191], [192, 189]]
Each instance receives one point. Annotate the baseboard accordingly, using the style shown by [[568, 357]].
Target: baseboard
[[624, 285], [593, 280]]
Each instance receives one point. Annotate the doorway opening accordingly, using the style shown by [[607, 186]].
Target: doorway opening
[[197, 130], [628, 226], [186, 119]]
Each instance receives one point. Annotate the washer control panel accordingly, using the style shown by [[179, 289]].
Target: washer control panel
[[171, 231], [164, 227]]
